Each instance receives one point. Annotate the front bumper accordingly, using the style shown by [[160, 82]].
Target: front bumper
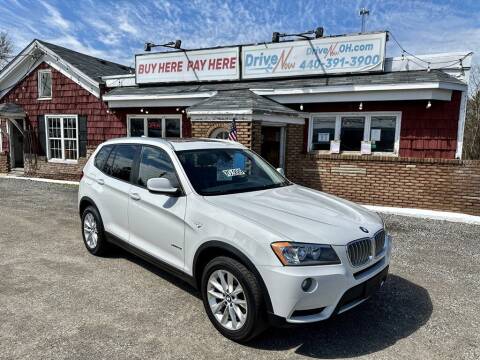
[[335, 289]]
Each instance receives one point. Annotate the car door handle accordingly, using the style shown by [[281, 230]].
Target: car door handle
[[135, 196], [100, 181]]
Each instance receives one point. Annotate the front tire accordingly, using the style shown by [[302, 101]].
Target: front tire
[[233, 299], [92, 232]]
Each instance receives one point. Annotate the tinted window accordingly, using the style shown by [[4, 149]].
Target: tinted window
[[102, 156], [155, 163], [121, 168]]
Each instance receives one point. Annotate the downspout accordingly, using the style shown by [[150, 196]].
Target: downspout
[[461, 124]]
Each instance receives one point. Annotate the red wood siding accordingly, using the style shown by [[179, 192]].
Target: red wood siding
[[425, 133], [70, 98]]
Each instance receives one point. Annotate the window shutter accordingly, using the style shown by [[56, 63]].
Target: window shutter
[[42, 141], [82, 135]]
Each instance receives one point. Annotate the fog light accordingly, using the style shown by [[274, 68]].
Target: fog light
[[307, 284]]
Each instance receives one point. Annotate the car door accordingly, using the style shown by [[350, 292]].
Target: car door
[[113, 185], [157, 221]]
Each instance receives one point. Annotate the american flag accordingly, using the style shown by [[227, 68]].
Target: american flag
[[232, 135]]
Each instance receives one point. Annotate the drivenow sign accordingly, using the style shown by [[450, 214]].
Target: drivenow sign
[[181, 66], [330, 55]]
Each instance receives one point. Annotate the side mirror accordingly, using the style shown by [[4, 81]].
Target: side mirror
[[161, 186], [281, 171]]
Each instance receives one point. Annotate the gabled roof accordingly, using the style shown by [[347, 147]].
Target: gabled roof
[[93, 67], [231, 101], [83, 69]]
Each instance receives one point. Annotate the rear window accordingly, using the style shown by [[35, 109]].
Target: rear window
[[120, 162], [102, 156]]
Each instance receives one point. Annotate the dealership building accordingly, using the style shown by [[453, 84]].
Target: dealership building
[[335, 112]]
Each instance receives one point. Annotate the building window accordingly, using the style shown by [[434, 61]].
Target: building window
[[379, 129], [219, 133], [351, 133], [44, 84], [62, 137], [154, 125]]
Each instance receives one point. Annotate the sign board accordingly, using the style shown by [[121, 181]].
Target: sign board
[[330, 55], [182, 66]]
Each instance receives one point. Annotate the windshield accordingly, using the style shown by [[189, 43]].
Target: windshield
[[227, 171]]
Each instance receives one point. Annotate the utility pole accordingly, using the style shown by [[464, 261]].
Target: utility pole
[[364, 12]]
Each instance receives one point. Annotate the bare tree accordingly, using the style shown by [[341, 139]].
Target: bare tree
[[5, 49], [471, 143]]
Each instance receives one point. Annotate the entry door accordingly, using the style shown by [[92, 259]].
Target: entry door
[[273, 147], [157, 221], [16, 139]]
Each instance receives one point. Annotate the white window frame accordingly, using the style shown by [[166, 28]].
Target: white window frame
[[39, 83], [62, 139], [366, 131], [153, 116]]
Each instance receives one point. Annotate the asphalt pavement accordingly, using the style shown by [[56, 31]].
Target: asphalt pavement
[[59, 302]]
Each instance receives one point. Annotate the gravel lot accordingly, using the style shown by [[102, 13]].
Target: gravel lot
[[57, 301]]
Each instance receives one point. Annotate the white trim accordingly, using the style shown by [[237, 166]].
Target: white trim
[[356, 88], [461, 125], [62, 138], [192, 95], [366, 135], [16, 70], [283, 119], [145, 117], [221, 112], [39, 84], [1, 138], [427, 214]]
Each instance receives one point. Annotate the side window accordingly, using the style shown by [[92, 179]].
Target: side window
[[155, 163], [102, 156], [122, 164]]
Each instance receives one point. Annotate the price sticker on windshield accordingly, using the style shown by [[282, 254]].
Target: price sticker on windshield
[[233, 172]]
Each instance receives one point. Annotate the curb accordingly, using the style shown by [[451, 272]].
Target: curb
[[65, 182], [427, 214]]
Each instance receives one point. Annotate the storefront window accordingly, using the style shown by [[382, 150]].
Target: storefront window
[[154, 126], [382, 133], [323, 132], [172, 127], [381, 129], [137, 127], [351, 134]]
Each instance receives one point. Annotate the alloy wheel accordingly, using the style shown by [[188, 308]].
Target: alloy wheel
[[227, 300], [90, 230]]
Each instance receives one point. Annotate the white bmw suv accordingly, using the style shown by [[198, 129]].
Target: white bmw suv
[[259, 248]]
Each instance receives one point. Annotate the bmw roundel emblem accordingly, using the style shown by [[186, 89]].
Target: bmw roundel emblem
[[364, 229]]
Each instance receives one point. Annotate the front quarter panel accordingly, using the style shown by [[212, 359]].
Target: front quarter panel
[[205, 222]]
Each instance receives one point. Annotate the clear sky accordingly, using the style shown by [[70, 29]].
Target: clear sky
[[116, 29]]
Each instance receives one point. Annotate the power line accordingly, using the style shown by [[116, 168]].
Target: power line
[[448, 63]]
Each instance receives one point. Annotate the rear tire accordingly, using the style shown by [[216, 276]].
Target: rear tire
[[93, 232], [235, 304]]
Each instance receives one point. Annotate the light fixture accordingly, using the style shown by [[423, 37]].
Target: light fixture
[[360, 106], [429, 105], [177, 109], [428, 67], [301, 107], [146, 112], [141, 110], [318, 33], [177, 44]]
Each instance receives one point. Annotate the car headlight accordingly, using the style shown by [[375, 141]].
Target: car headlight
[[293, 253]]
